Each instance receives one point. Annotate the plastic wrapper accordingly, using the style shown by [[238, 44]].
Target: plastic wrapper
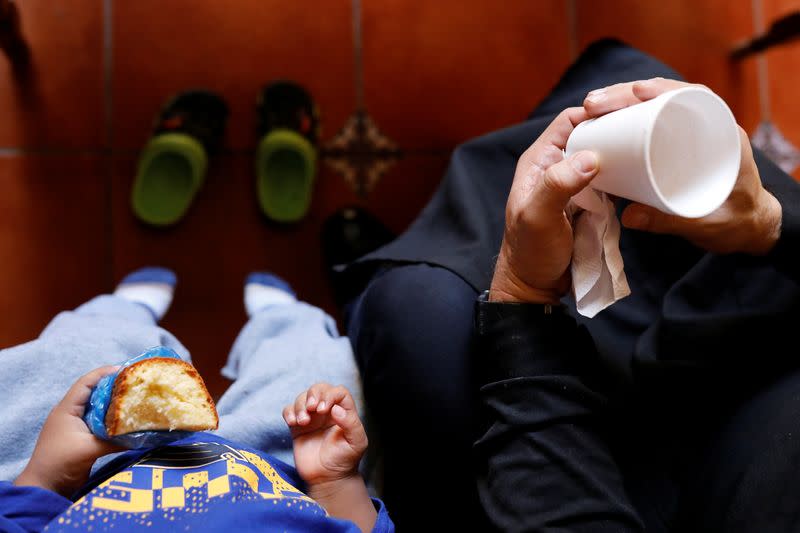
[[97, 407]]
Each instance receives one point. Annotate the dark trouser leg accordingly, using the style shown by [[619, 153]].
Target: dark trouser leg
[[412, 334]]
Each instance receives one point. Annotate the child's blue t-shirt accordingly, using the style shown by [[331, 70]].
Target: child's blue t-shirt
[[202, 483]]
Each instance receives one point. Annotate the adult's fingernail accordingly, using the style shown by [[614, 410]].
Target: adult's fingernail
[[649, 82], [584, 161], [598, 95]]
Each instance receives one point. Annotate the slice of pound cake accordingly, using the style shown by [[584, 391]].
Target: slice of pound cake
[[160, 393]]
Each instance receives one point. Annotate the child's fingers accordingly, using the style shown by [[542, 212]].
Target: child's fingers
[[319, 398], [288, 416], [315, 392], [335, 395], [75, 399], [352, 428], [300, 412]]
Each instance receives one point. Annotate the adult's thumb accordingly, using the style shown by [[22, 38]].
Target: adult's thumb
[[567, 178]]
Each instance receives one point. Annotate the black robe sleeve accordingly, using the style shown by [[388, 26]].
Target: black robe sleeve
[[543, 462]]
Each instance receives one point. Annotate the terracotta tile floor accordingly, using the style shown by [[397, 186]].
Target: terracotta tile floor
[[694, 37], [439, 73], [61, 105], [233, 49], [54, 240], [432, 74], [782, 70]]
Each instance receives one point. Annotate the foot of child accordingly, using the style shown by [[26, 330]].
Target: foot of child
[[263, 289], [151, 287]]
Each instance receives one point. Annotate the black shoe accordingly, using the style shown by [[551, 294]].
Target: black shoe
[[347, 235]]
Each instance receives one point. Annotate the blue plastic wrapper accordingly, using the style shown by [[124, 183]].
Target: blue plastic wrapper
[[97, 407]]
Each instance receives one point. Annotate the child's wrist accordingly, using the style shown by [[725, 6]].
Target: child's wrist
[[324, 490], [346, 498], [29, 478]]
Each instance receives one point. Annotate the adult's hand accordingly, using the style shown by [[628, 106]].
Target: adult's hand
[[533, 265], [750, 219]]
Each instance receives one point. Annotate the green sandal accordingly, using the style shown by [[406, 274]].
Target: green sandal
[[286, 155], [172, 166]]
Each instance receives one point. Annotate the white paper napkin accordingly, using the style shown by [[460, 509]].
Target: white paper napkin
[[598, 275]]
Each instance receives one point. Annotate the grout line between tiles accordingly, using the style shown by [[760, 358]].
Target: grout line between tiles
[[358, 50], [109, 212], [108, 100], [108, 71], [133, 152], [9, 151]]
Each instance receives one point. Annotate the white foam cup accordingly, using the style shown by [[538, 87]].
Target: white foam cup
[[678, 152]]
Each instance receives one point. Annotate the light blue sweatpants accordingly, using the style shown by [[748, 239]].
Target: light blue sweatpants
[[280, 352]]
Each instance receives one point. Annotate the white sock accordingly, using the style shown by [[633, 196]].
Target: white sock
[[262, 290], [150, 287]]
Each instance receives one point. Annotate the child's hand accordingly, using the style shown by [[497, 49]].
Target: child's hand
[[329, 438], [66, 449], [329, 441]]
